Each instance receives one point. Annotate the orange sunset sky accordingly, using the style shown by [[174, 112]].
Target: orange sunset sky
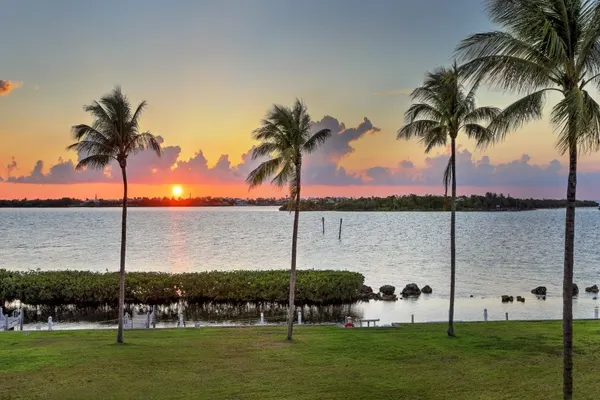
[[209, 72]]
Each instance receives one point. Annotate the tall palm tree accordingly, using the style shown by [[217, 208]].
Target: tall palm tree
[[113, 136], [285, 136], [546, 46], [443, 108]]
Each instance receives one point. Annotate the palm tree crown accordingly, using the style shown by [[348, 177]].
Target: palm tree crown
[[444, 108], [285, 135], [544, 45], [114, 134]]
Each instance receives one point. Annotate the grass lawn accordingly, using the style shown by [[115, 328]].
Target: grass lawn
[[499, 360]]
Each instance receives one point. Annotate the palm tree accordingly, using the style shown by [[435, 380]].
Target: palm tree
[[113, 136], [285, 136], [546, 46], [444, 108]]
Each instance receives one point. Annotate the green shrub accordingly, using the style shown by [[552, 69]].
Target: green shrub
[[91, 289]]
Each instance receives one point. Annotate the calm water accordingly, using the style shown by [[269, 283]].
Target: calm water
[[497, 253]]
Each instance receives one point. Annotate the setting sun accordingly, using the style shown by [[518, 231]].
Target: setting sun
[[177, 190]]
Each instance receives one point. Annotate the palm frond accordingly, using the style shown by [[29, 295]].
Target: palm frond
[[509, 73], [285, 175], [590, 140], [482, 114], [417, 129], [143, 141], [482, 135], [265, 149], [422, 110], [137, 114], [518, 113], [264, 171], [87, 147], [435, 137], [447, 176], [94, 161], [316, 140]]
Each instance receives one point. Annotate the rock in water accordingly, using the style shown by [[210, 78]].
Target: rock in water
[[592, 289], [427, 289], [367, 293], [411, 290], [540, 291], [575, 289], [387, 290], [506, 298], [389, 297], [521, 299]]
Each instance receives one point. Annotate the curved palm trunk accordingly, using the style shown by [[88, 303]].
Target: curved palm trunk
[[452, 242], [568, 277], [122, 267], [291, 304]]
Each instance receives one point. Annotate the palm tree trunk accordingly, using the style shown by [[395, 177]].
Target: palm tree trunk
[[122, 267], [452, 242], [291, 304], [568, 277]]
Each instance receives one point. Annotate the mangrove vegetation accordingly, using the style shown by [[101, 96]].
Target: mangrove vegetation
[[412, 202], [94, 289]]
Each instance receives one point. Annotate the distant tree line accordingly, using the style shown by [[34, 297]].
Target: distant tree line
[[489, 202], [143, 202]]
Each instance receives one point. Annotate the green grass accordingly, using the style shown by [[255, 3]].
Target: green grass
[[503, 360]]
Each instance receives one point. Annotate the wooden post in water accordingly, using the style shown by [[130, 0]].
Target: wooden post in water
[[323, 221], [340, 235], [485, 314], [412, 318], [507, 316]]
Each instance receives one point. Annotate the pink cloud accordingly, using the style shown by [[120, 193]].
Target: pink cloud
[[7, 86], [321, 169]]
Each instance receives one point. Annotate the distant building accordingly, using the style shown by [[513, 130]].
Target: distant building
[[91, 203]]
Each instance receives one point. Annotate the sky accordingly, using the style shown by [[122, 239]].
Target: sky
[[210, 70]]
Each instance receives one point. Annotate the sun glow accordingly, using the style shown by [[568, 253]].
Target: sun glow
[[177, 190]]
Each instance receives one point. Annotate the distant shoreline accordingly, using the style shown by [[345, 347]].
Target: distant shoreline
[[490, 202]]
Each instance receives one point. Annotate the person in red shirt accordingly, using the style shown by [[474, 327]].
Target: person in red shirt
[[349, 323]]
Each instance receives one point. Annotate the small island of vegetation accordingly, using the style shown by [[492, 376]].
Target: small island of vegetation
[[93, 289], [489, 202]]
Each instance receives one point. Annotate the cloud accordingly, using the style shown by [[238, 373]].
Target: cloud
[[11, 166], [61, 172], [320, 168], [7, 86], [470, 172]]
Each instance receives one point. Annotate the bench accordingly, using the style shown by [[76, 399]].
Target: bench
[[368, 321]]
